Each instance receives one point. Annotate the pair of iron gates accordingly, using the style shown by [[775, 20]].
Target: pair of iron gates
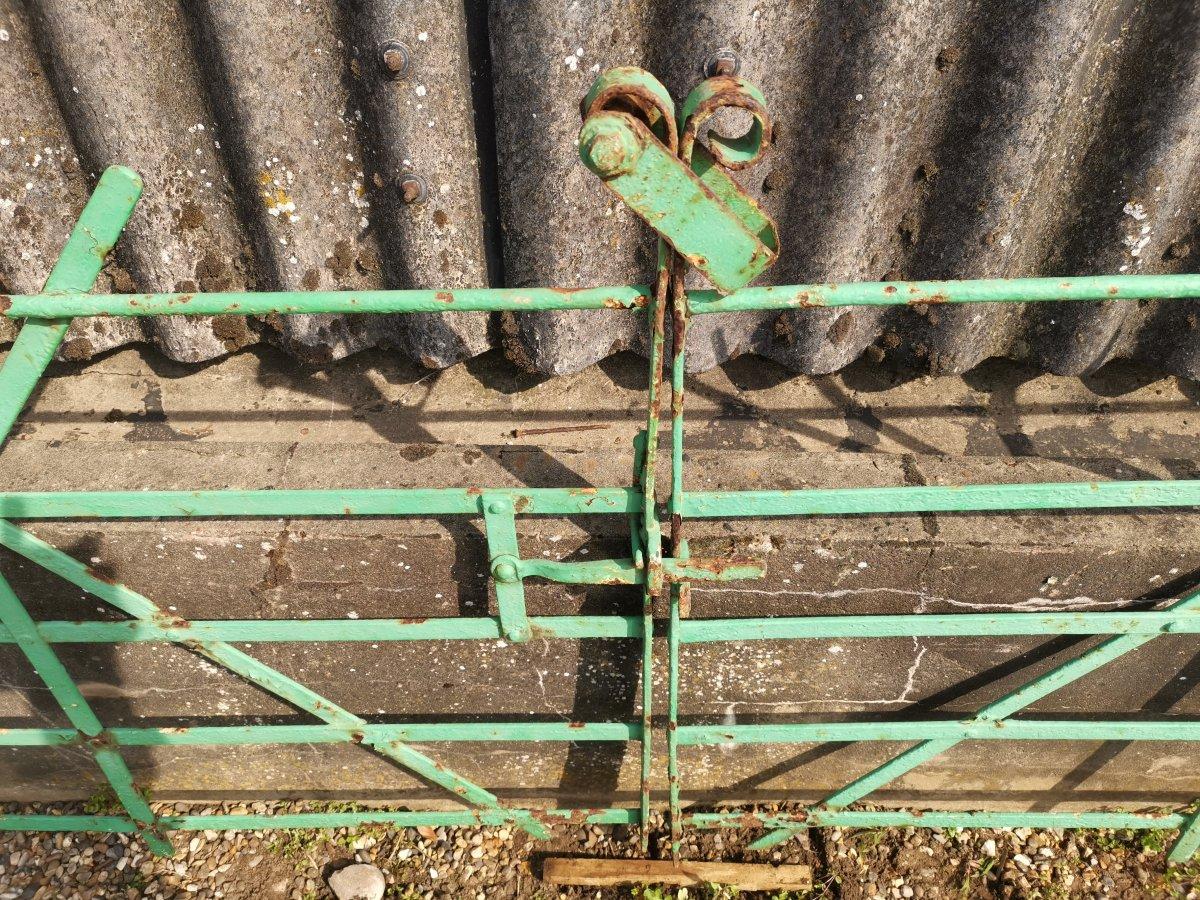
[[651, 158]]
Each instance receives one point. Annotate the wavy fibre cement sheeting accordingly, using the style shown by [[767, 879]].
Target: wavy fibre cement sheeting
[[915, 139]]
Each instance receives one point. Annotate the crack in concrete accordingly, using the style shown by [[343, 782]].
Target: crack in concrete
[[1031, 604], [910, 685]]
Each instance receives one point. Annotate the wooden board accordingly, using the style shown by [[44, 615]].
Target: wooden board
[[588, 872]]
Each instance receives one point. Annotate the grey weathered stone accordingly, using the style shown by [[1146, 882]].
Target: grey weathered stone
[[149, 111], [423, 125], [916, 138], [359, 881], [561, 228]]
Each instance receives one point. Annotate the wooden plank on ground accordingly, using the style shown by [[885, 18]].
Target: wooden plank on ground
[[587, 872]]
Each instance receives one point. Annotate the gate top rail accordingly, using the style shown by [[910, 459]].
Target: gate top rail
[[1085, 288]]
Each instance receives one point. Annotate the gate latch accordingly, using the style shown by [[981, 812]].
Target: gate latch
[[684, 192]]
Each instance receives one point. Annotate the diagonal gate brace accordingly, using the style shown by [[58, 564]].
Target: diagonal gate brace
[[258, 673]]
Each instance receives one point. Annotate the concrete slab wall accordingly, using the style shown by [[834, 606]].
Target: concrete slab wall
[[252, 421]]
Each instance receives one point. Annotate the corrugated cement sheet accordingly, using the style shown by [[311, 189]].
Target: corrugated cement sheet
[[916, 138]]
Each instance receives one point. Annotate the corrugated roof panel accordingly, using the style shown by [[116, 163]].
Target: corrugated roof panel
[[916, 138]]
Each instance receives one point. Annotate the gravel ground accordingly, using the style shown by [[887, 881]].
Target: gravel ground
[[485, 863]]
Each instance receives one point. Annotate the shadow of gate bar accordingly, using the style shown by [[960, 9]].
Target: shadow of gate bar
[[680, 186]]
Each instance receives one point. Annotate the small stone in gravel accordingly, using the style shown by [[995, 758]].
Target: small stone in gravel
[[358, 882]]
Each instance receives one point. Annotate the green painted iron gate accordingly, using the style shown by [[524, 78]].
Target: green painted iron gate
[[651, 158]]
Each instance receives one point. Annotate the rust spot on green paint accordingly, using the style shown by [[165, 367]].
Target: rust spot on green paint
[[575, 817], [638, 302], [163, 620], [444, 297], [102, 576], [749, 820], [890, 289]]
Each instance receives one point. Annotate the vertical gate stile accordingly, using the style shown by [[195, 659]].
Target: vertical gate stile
[[652, 158]]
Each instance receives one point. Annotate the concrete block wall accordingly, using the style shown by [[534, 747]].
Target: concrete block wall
[[126, 421]]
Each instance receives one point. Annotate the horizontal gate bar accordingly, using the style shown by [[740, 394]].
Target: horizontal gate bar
[[984, 290], [420, 733], [582, 501], [61, 305], [400, 819], [340, 503], [373, 630], [618, 816], [701, 631], [964, 498], [688, 735], [994, 730], [820, 818], [333, 734], [257, 303], [693, 631]]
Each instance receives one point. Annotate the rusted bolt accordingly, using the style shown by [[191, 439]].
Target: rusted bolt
[[413, 188], [505, 571], [395, 59], [612, 151], [722, 62]]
